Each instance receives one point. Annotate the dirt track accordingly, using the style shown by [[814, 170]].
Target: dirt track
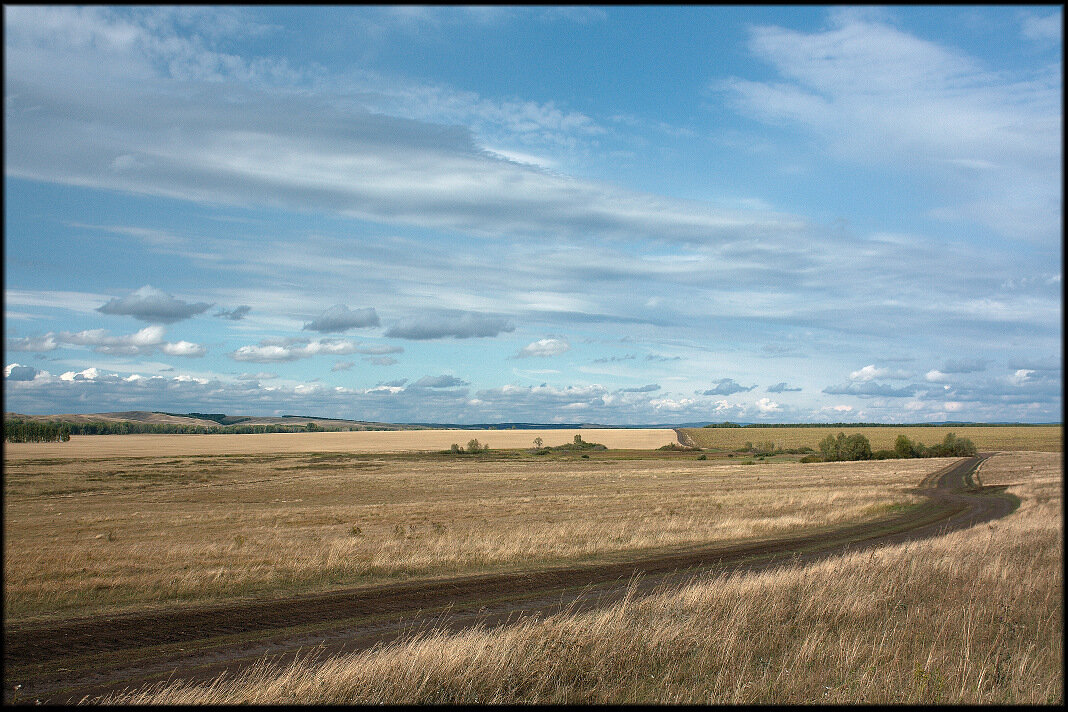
[[92, 656]]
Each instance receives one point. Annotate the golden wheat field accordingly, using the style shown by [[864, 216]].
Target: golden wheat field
[[987, 438], [382, 441], [972, 617], [86, 535]]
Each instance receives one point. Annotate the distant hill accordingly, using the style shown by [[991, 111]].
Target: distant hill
[[212, 420], [216, 420]]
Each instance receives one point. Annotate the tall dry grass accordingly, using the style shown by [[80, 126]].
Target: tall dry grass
[[83, 537], [975, 616]]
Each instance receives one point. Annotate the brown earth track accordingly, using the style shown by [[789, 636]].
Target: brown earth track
[[66, 661]]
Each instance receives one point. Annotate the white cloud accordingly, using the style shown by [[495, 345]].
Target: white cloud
[[1043, 28], [254, 136], [766, 405], [872, 372], [183, 348], [146, 341], [551, 346], [873, 94]]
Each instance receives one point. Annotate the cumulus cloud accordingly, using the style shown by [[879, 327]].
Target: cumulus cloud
[[725, 387], [18, 372], [766, 405], [781, 388], [153, 305], [235, 314], [550, 346], [146, 341], [183, 348], [459, 325], [343, 366], [88, 374], [439, 382], [340, 318]]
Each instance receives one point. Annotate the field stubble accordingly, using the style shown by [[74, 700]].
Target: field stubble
[[974, 616], [83, 537]]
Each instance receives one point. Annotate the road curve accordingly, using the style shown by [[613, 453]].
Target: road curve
[[66, 661]]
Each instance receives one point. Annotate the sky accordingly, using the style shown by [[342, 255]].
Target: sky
[[614, 215]]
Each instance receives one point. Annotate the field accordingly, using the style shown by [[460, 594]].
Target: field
[[973, 617], [1044, 438], [110, 525], [383, 441], [82, 536]]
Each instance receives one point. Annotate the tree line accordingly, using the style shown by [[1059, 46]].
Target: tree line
[[19, 430], [31, 431], [857, 447]]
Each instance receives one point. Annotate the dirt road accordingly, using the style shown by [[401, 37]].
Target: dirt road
[[92, 656]]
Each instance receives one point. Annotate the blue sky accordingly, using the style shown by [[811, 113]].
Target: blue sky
[[552, 214]]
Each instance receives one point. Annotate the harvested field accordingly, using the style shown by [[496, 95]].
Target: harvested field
[[88, 535], [375, 441], [1043, 438], [971, 617]]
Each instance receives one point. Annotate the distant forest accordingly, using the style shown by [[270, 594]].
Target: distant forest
[[728, 424], [19, 430]]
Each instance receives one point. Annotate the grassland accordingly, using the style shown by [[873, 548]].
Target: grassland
[[987, 438], [975, 616], [86, 536]]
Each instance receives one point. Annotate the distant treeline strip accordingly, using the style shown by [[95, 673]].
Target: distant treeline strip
[[30, 431], [18, 430], [728, 424]]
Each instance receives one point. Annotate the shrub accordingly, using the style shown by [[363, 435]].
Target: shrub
[[811, 458], [906, 448], [952, 446], [854, 447]]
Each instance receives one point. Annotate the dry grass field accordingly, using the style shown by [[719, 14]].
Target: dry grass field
[[988, 438], [975, 616], [375, 441], [86, 535]]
